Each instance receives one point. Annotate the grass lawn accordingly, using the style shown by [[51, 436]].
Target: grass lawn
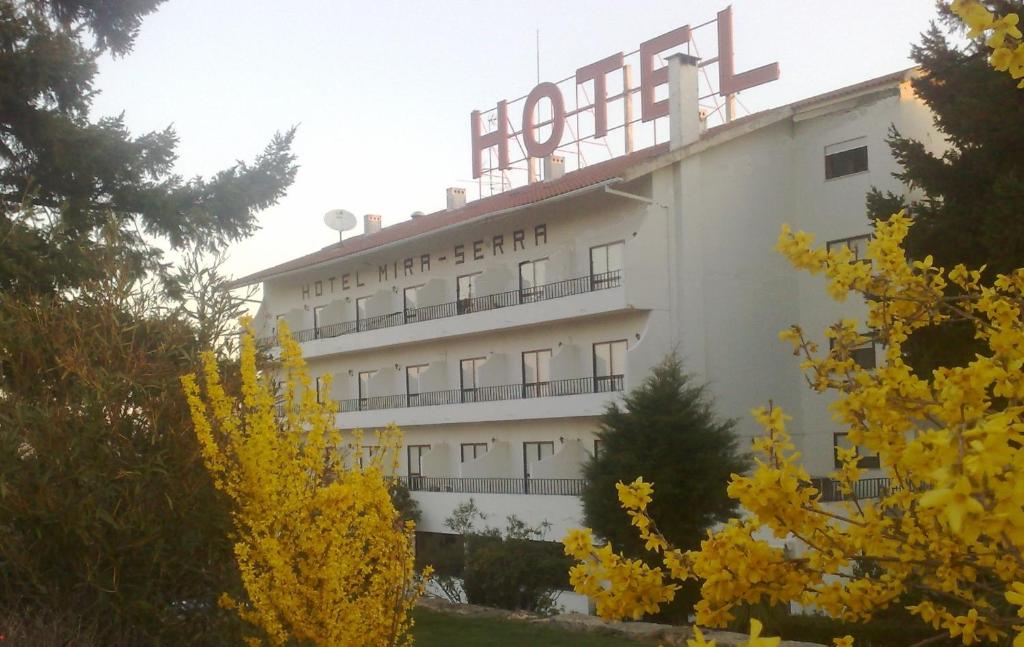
[[441, 630]]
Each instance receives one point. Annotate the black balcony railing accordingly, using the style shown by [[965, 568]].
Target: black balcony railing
[[494, 485], [574, 386], [871, 488], [546, 292]]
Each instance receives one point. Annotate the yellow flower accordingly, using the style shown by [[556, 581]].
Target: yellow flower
[[755, 636], [1001, 58], [978, 18], [845, 641], [1015, 596], [636, 495], [578, 543], [956, 503], [698, 639], [1005, 27]]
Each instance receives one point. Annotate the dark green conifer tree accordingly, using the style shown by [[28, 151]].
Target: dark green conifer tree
[[668, 433], [968, 202], [64, 176]]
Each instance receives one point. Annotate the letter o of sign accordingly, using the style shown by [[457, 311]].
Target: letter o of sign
[[554, 95]]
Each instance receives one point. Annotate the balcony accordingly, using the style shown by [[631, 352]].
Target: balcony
[[871, 488], [554, 388], [485, 485], [546, 292]]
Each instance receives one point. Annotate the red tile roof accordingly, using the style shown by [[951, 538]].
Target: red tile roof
[[521, 196], [533, 193]]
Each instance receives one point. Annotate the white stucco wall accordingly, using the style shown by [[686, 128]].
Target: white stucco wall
[[700, 275]]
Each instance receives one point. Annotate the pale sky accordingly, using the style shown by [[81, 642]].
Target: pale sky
[[382, 91]]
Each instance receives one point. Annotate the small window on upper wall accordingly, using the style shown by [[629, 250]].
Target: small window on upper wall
[[846, 158], [865, 458], [864, 356], [858, 246]]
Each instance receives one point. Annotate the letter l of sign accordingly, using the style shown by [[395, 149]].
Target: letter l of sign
[[728, 81]]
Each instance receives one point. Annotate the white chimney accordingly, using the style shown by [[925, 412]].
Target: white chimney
[[456, 197], [684, 111], [554, 167], [371, 223]]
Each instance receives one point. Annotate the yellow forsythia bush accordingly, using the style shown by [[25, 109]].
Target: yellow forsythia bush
[[323, 554], [949, 533]]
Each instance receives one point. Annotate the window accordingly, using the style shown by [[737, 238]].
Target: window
[[864, 355], [470, 377], [846, 158], [609, 365], [536, 373], [411, 297], [361, 304], [318, 320], [865, 460], [278, 320], [318, 392], [415, 455], [472, 451], [465, 291], [858, 246], [534, 452], [606, 265], [598, 447], [364, 388], [532, 277], [369, 451], [412, 383]]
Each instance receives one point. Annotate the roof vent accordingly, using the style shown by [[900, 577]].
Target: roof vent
[[456, 197], [371, 223], [416, 214]]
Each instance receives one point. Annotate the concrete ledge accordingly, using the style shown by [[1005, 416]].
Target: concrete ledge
[[584, 624]]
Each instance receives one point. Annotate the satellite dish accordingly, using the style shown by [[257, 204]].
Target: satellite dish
[[340, 220]]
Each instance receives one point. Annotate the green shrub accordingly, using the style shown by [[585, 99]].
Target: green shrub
[[515, 573]]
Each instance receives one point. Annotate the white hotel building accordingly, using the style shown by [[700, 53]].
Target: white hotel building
[[495, 332]]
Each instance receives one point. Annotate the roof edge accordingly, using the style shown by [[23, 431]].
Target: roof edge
[[249, 280]]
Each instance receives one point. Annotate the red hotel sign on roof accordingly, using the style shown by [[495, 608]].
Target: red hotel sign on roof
[[595, 74]]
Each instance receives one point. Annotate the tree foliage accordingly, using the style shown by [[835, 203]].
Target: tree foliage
[[201, 294], [951, 528], [325, 557], [665, 423], [970, 195], [107, 514], [78, 173]]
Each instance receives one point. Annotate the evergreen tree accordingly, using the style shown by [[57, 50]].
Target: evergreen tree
[[62, 176], [667, 433], [970, 209]]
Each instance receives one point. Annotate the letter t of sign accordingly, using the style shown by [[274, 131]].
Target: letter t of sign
[[497, 137], [596, 72]]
